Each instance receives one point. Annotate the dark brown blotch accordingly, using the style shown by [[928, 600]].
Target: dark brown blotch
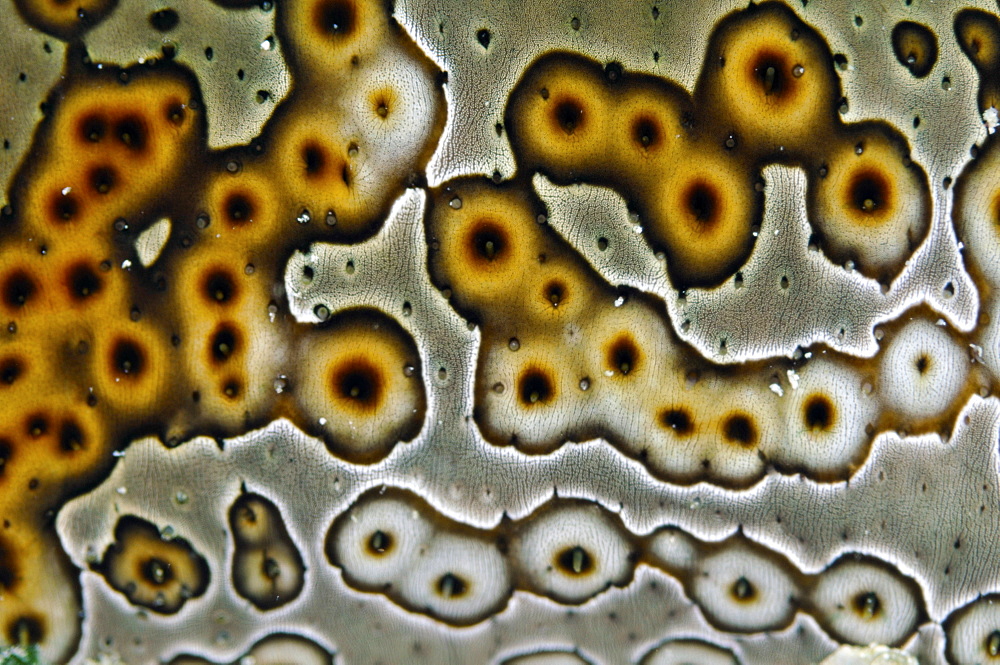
[[534, 387], [818, 413], [82, 281], [677, 419], [335, 18], [360, 382], [127, 359], [739, 428]]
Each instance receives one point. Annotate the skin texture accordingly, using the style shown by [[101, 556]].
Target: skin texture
[[453, 346]]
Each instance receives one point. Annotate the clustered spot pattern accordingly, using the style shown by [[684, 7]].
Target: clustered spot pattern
[[152, 288]]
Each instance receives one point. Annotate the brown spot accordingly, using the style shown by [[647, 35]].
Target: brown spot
[[679, 420], [220, 287], [6, 449], [771, 71], [868, 192], [379, 543], [231, 389], [739, 428], [25, 630], [568, 115], [71, 438], [335, 18], [65, 207], [224, 343], [37, 426], [488, 242], [575, 561], [93, 128], [238, 208], [534, 387], [102, 179], [81, 281], [743, 590], [314, 158], [132, 132], [554, 292], [818, 413], [127, 359], [646, 132], [18, 289], [623, 355], [867, 605], [8, 565], [156, 571], [175, 112], [360, 382], [701, 201], [452, 586], [11, 369], [922, 364]]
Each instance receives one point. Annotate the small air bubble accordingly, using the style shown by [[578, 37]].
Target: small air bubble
[[201, 222], [181, 497], [322, 312], [455, 203], [349, 268], [798, 71], [331, 218], [574, 23], [281, 384], [584, 384], [514, 344], [442, 374], [946, 83], [541, 219], [248, 269], [407, 308], [498, 388], [409, 370], [233, 166]]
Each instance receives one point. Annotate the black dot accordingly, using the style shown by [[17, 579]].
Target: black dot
[[484, 37]]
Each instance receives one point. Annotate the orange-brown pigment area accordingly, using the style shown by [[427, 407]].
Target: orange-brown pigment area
[[690, 164], [97, 349]]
